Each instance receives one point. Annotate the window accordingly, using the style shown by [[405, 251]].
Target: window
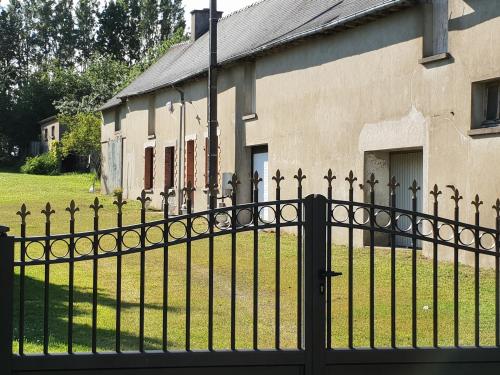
[[53, 132], [46, 134], [148, 168], [151, 117], [492, 104], [435, 28], [118, 120], [250, 89], [169, 167], [486, 104]]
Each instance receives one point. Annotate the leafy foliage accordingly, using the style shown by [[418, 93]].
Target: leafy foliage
[[44, 164]]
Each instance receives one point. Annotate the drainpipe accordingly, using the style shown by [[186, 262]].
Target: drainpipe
[[180, 166]]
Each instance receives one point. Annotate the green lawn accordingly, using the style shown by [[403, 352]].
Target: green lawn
[[35, 191]]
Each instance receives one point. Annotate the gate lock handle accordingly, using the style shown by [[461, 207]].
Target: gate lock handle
[[330, 274]]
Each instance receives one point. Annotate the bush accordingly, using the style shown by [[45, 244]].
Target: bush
[[45, 164]]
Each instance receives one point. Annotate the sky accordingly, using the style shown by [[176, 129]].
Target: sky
[[227, 6]]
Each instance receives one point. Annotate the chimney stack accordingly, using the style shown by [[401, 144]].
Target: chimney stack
[[200, 22]]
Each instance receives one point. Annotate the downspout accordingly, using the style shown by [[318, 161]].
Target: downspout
[[180, 166]]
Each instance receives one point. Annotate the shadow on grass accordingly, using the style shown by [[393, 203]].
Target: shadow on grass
[[82, 320]]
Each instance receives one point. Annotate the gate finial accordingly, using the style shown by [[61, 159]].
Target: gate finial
[[48, 211], [256, 180], [119, 202], [300, 177], [278, 178], [393, 185], [234, 182], [496, 207], [351, 179], [477, 202], [456, 194], [330, 177], [143, 199], [23, 213], [414, 188], [72, 209], [435, 192], [96, 207], [372, 182]]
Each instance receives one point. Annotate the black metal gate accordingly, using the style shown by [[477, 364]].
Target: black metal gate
[[317, 221]]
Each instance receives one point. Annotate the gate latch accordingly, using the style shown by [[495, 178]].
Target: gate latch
[[330, 274]]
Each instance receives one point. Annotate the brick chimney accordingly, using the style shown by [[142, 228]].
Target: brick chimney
[[200, 22]]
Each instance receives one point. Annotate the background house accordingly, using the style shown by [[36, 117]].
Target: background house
[[50, 131], [404, 88]]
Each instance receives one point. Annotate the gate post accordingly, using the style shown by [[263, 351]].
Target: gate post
[[314, 282], [6, 299]]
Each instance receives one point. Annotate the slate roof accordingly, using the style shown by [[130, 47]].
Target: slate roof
[[251, 30]]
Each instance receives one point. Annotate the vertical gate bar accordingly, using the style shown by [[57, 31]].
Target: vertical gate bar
[[6, 299], [166, 196], [372, 262], [142, 277], [393, 185], [95, 272], [119, 241], [211, 222], [414, 188], [329, 178], [71, 284], [256, 260], [23, 213], [188, 267], [456, 234], [234, 221], [314, 281], [435, 236], [497, 276], [477, 203], [47, 212], [278, 264], [299, 177], [351, 269]]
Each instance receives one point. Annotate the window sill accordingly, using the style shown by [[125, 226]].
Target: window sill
[[435, 58], [250, 117], [484, 131], [149, 191]]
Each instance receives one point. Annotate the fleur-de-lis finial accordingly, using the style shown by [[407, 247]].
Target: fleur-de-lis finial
[[330, 177], [72, 209], [351, 179], [168, 193], [372, 182], [300, 177], [393, 185], [256, 180], [48, 211], [212, 189], [23, 213], [435, 192], [414, 188], [278, 178], [119, 202], [234, 182], [456, 194], [477, 202], [496, 207], [188, 190], [143, 199], [96, 207]]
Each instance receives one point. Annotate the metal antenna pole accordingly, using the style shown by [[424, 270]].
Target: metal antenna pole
[[212, 106]]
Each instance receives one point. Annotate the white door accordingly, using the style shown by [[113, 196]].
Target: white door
[[407, 167], [260, 162]]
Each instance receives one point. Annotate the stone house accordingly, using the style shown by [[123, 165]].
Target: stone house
[[50, 131], [393, 87]]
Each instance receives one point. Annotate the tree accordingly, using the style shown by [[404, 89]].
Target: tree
[[65, 36], [171, 18], [85, 14], [83, 137], [149, 24], [112, 30], [132, 36]]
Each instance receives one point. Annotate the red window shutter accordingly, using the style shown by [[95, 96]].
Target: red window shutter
[[148, 169], [190, 162], [169, 168]]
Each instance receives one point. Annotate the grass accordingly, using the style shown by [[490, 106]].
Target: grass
[[36, 190]]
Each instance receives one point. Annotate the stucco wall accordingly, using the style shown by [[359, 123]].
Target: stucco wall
[[327, 102]]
